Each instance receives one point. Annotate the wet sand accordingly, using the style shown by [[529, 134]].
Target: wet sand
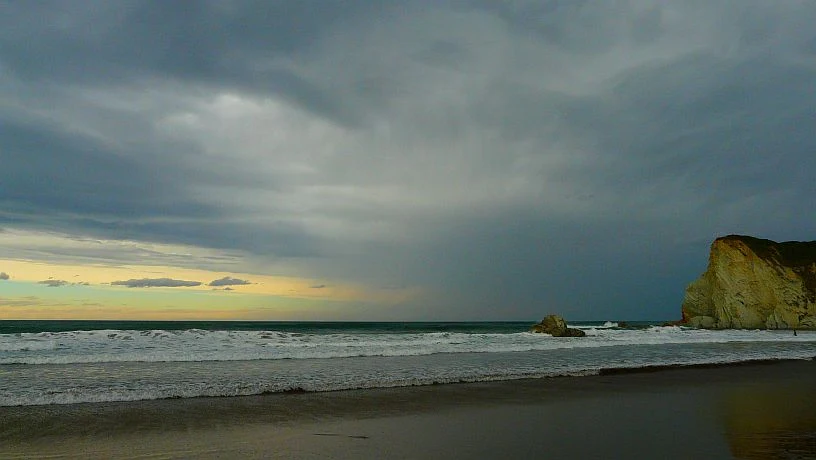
[[765, 410]]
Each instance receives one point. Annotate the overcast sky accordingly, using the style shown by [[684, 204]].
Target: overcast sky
[[496, 160]]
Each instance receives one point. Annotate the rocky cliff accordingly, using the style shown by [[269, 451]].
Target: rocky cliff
[[753, 283]]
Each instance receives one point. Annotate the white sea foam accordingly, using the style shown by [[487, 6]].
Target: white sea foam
[[26, 345], [213, 389], [605, 325], [221, 385], [117, 365], [196, 345]]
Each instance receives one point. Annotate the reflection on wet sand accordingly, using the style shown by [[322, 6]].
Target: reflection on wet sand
[[749, 411], [768, 421]]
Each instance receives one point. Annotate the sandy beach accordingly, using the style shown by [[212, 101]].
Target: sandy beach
[[760, 410]]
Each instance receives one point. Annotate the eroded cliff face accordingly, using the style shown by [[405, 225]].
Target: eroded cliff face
[[753, 283]]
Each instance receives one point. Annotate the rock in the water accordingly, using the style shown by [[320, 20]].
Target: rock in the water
[[556, 327], [553, 325], [753, 283], [572, 332]]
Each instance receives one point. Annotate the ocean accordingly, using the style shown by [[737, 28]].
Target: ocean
[[65, 362]]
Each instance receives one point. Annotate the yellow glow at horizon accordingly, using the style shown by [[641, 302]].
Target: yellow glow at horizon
[[261, 284], [83, 312], [102, 275], [30, 257]]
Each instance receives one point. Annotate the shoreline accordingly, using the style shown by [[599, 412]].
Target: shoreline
[[567, 374], [723, 407]]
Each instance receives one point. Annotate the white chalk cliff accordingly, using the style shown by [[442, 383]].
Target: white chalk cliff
[[753, 283]]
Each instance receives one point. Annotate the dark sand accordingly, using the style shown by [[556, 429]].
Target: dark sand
[[762, 411]]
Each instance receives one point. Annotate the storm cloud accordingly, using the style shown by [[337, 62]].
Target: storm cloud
[[505, 159], [155, 282]]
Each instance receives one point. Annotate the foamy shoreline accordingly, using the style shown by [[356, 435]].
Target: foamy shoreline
[[110, 365], [607, 416]]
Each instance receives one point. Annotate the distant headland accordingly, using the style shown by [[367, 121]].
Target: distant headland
[[754, 283]]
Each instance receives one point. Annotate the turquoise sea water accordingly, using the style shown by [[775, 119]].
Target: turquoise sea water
[[59, 362]]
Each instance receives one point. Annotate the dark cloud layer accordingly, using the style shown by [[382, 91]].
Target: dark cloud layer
[[228, 281], [156, 282], [508, 158], [60, 283], [54, 283]]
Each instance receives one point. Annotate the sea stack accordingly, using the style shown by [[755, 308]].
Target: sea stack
[[556, 327], [752, 283]]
